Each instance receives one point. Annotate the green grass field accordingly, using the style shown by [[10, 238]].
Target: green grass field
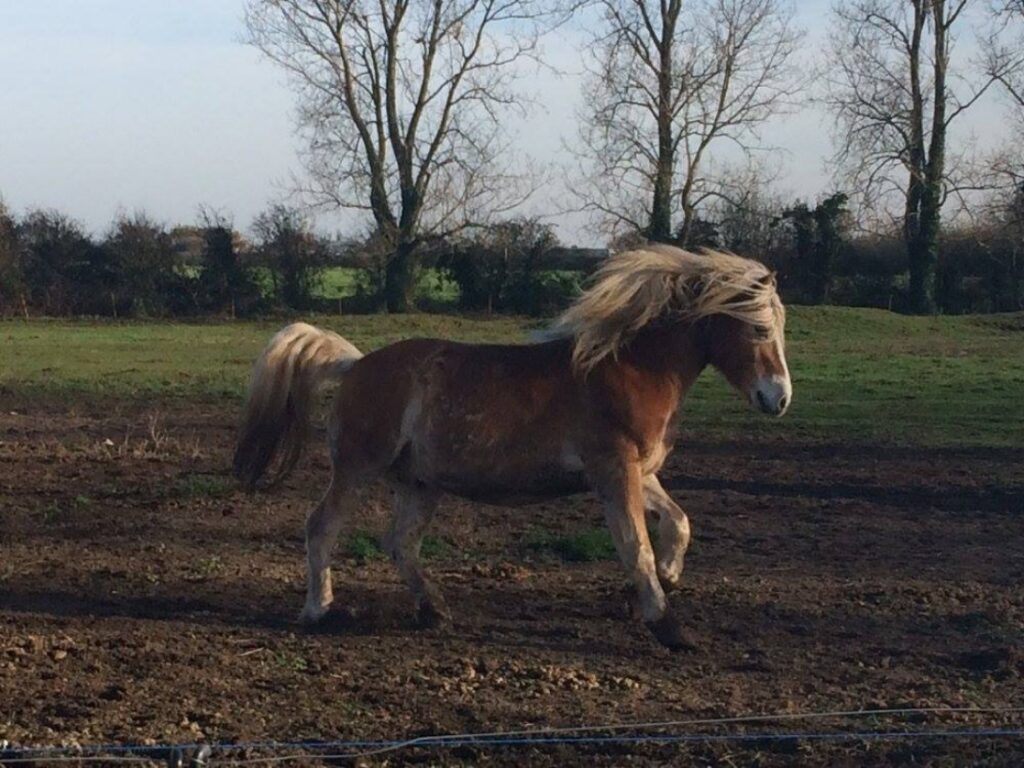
[[859, 375], [342, 282]]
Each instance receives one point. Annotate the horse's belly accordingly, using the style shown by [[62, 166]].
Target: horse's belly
[[512, 491], [501, 474]]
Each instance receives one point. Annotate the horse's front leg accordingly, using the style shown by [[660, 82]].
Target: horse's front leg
[[620, 487], [673, 532]]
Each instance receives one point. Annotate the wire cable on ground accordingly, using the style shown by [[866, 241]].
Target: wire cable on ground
[[577, 735], [964, 733]]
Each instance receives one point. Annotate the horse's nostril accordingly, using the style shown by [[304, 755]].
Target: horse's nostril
[[762, 401], [783, 402]]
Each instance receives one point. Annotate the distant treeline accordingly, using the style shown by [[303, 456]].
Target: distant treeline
[[820, 260], [49, 265]]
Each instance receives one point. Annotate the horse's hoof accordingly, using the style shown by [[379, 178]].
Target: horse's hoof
[[631, 603], [670, 585], [429, 616], [670, 632], [311, 615]]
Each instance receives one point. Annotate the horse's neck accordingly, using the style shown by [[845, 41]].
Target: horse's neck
[[671, 353], [645, 385]]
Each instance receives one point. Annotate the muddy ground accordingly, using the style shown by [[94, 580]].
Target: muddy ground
[[145, 600]]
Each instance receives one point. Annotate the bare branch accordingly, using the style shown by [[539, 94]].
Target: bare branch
[[669, 80], [895, 89], [402, 103]]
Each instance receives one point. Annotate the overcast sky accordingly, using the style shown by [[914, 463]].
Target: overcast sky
[[121, 105]]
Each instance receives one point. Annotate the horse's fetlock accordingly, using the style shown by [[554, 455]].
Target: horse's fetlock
[[432, 613]]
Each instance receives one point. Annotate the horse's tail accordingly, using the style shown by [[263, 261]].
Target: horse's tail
[[296, 363]]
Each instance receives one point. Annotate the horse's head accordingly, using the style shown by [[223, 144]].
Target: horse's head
[[732, 301], [752, 357]]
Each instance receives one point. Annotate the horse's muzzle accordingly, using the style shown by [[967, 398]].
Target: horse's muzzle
[[772, 395]]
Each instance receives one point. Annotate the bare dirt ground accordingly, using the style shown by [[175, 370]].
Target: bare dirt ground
[[143, 599]]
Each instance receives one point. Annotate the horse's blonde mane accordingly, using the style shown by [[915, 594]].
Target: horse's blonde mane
[[635, 288]]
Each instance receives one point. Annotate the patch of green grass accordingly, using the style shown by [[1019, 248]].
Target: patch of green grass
[[99, 359], [51, 514], [362, 546], [337, 283], [192, 486], [864, 375], [586, 546], [290, 661], [434, 548], [342, 282], [204, 568], [874, 376]]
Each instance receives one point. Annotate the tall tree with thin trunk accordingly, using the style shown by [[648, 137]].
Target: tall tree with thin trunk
[[402, 103], [891, 84], [670, 81]]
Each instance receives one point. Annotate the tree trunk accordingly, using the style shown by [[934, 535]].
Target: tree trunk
[[922, 276], [923, 245], [398, 278], [923, 256], [660, 227], [689, 214]]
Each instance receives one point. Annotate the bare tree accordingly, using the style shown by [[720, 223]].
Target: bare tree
[[892, 88], [1005, 53], [402, 103], [668, 81]]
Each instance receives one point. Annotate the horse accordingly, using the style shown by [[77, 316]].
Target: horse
[[589, 406]]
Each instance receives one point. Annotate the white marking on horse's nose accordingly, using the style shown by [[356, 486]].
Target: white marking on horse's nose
[[772, 395]]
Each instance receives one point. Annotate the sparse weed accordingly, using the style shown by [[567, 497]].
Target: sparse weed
[[587, 546], [51, 514], [155, 443], [194, 485], [363, 547], [290, 661], [435, 548], [204, 568]]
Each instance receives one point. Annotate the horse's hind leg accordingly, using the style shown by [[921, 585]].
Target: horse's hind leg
[[673, 532], [414, 509], [322, 528]]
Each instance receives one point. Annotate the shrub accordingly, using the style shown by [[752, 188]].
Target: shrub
[[293, 255], [225, 283], [62, 269], [11, 284], [146, 276], [500, 269]]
